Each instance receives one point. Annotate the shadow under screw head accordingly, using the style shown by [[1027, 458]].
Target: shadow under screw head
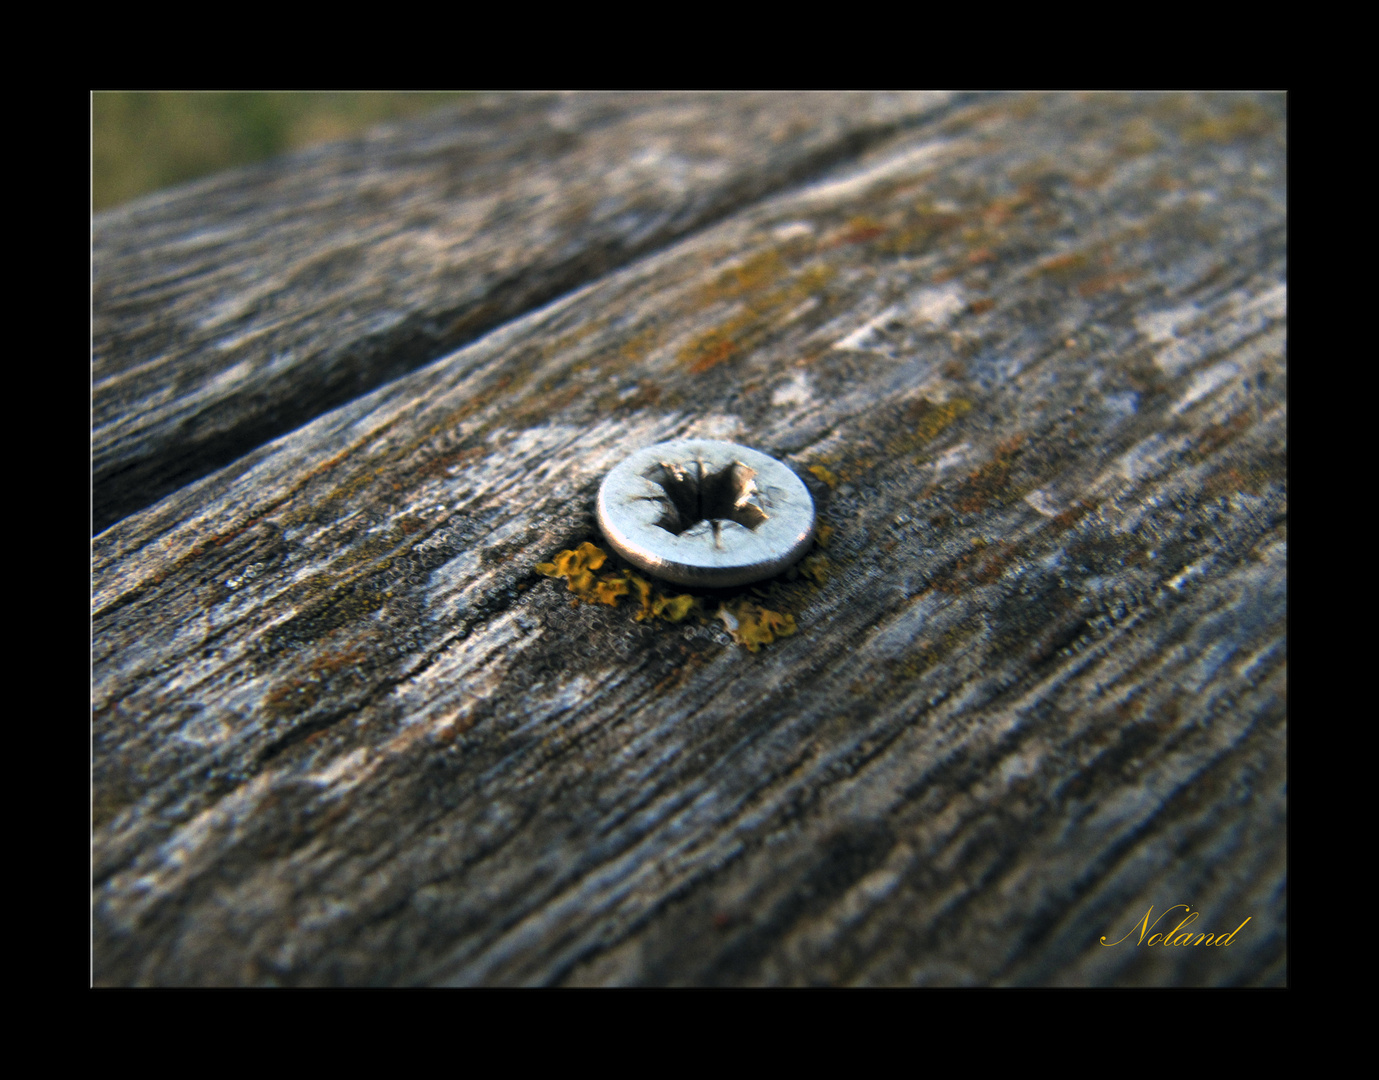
[[707, 513]]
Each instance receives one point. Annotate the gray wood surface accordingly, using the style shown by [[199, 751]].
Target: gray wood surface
[[1030, 359], [233, 310]]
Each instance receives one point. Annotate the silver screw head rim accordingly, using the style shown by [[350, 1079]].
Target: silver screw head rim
[[639, 516]]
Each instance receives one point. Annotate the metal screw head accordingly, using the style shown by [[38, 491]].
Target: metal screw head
[[708, 513]]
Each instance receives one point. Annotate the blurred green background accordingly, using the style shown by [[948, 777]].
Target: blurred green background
[[145, 140]]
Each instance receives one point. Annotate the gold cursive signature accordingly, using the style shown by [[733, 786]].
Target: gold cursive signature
[[1173, 937]]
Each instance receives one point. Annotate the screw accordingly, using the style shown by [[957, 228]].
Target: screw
[[700, 512]]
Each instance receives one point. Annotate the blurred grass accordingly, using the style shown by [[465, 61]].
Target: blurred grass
[[142, 141]]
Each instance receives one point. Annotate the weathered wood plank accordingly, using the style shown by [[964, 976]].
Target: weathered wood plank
[[1031, 364], [233, 310]]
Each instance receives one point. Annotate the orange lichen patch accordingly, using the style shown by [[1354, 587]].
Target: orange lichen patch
[[1102, 282], [609, 588], [1069, 517], [1218, 435], [805, 284], [1234, 482], [1066, 265], [710, 349], [753, 626], [990, 569], [1002, 210], [757, 272], [218, 540], [635, 348], [482, 399], [539, 408], [823, 533], [858, 231], [923, 420], [331, 462], [824, 473], [980, 566], [980, 255], [301, 692], [574, 336], [920, 231], [990, 481], [654, 604], [673, 608], [763, 307], [643, 591], [577, 568], [981, 307], [582, 585], [586, 556], [338, 661], [929, 418]]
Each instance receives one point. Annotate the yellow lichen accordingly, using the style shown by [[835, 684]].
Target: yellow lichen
[[577, 568], [768, 292], [758, 272], [824, 474], [672, 608], [584, 557], [750, 624], [643, 590], [582, 584], [609, 588], [929, 418], [753, 626]]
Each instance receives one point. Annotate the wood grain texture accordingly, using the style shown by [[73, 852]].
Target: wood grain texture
[[232, 310], [1031, 362]]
